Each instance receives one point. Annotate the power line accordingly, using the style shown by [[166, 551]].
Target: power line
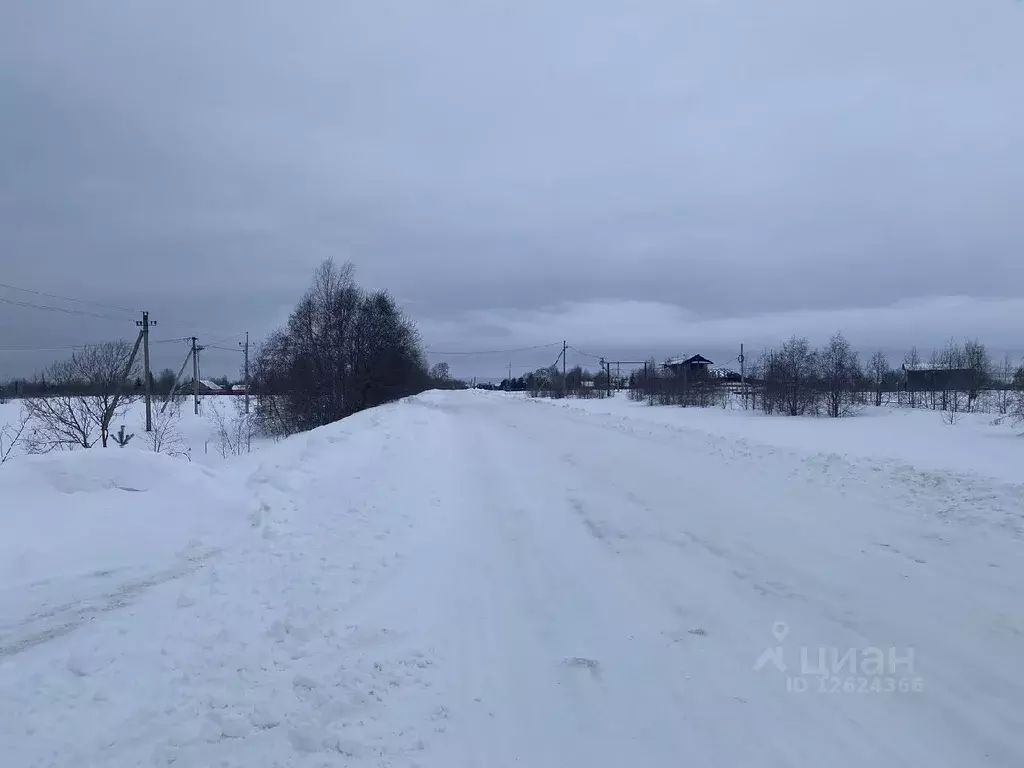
[[59, 348], [226, 349], [67, 298], [498, 351], [221, 332], [586, 354], [64, 310]]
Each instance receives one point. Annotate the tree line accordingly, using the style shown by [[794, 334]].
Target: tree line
[[797, 379]]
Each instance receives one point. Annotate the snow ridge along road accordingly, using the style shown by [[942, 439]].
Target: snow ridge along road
[[466, 579]]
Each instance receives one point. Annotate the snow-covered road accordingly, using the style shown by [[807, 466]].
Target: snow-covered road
[[464, 579]]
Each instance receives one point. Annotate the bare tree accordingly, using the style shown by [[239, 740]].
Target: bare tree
[[440, 372], [877, 372], [977, 361], [1004, 382], [789, 378], [1016, 409], [90, 390], [341, 351], [838, 370], [911, 360]]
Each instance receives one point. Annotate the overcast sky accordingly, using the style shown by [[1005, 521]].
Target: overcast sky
[[647, 177]]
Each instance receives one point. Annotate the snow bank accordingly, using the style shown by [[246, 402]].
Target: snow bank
[[71, 513]]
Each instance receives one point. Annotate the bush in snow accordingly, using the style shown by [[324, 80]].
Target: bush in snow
[[235, 428], [166, 436], [10, 436]]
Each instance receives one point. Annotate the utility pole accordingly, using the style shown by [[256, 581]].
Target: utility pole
[[743, 376], [246, 345], [565, 387], [144, 324], [195, 376]]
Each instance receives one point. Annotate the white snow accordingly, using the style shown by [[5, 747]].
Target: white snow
[[471, 579], [920, 438], [198, 431]]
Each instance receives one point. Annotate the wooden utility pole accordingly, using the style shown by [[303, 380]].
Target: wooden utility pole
[[195, 376], [246, 346], [743, 376], [144, 324], [565, 387]]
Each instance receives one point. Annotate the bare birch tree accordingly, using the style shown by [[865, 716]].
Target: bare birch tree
[[838, 370]]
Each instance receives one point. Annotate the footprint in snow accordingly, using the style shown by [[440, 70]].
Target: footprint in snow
[[580, 662]]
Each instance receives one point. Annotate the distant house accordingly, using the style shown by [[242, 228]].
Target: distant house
[[694, 366], [936, 378], [206, 387]]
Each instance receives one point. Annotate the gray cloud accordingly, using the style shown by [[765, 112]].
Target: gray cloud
[[514, 171]]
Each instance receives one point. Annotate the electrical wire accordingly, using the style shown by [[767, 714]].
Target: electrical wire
[[68, 298], [226, 349], [64, 310], [586, 354], [497, 351], [54, 348]]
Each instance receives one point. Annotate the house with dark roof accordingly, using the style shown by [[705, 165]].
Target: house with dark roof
[[694, 366]]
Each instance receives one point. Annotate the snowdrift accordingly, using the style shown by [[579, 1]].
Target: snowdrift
[[71, 513]]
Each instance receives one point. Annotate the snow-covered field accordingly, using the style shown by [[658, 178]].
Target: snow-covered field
[[470, 579], [981, 443]]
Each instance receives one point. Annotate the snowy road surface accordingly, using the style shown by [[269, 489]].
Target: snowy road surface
[[464, 579]]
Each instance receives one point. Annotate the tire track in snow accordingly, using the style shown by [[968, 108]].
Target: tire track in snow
[[42, 626]]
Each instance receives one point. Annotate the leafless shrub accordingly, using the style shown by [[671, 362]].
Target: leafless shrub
[[235, 428], [166, 436], [10, 436], [953, 411]]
